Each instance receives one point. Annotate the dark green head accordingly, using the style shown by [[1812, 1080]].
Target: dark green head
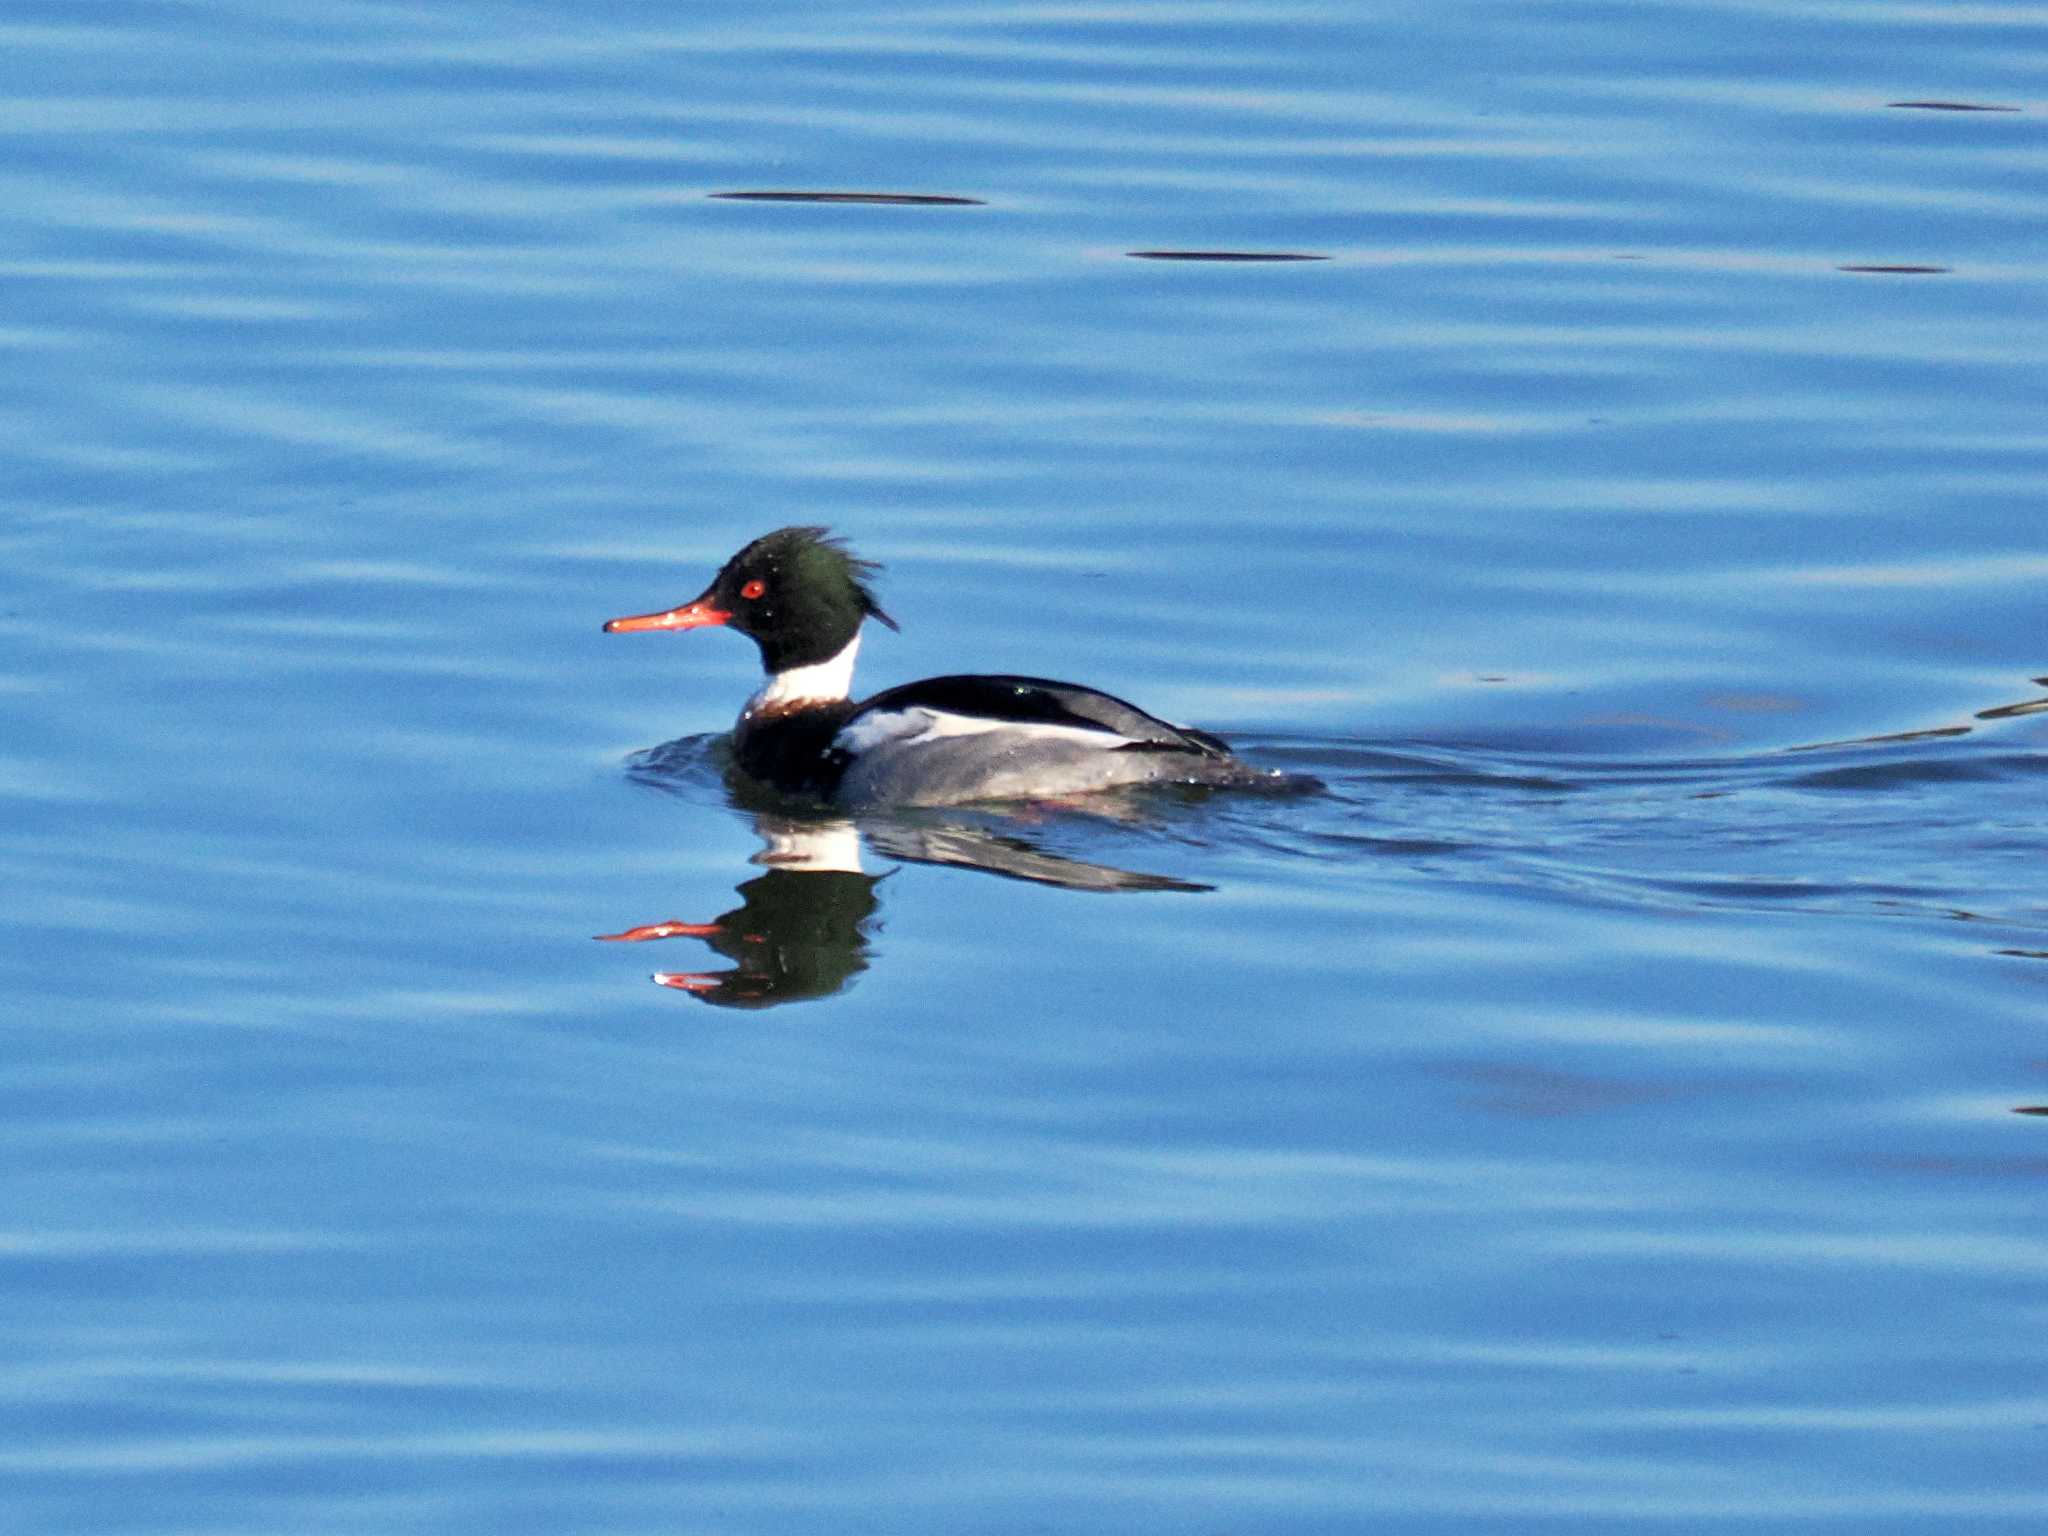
[[799, 593]]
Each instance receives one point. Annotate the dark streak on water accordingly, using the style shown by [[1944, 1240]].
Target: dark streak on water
[[1950, 106], [891, 199], [2014, 711], [1225, 256]]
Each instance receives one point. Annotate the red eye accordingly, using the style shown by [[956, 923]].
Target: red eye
[[754, 588]]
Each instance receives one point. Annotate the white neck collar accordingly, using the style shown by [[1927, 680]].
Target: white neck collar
[[823, 682]]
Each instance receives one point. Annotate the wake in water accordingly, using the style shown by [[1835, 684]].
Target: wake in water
[[1946, 822]]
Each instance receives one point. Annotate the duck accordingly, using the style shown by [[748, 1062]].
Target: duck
[[803, 597]]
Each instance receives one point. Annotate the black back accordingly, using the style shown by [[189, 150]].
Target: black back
[[1041, 701]]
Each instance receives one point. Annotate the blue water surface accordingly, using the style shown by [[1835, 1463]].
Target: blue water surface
[[1608, 1102]]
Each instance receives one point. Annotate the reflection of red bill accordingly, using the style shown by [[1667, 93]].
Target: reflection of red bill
[[698, 615], [668, 930], [686, 981]]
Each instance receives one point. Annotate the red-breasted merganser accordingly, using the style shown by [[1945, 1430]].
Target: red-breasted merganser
[[802, 596]]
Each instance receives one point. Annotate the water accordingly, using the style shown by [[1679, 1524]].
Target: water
[[1598, 1106]]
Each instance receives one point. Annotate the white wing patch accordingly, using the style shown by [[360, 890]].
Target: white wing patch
[[904, 727]]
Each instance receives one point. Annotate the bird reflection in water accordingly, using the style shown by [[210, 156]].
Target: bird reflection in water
[[802, 928]]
